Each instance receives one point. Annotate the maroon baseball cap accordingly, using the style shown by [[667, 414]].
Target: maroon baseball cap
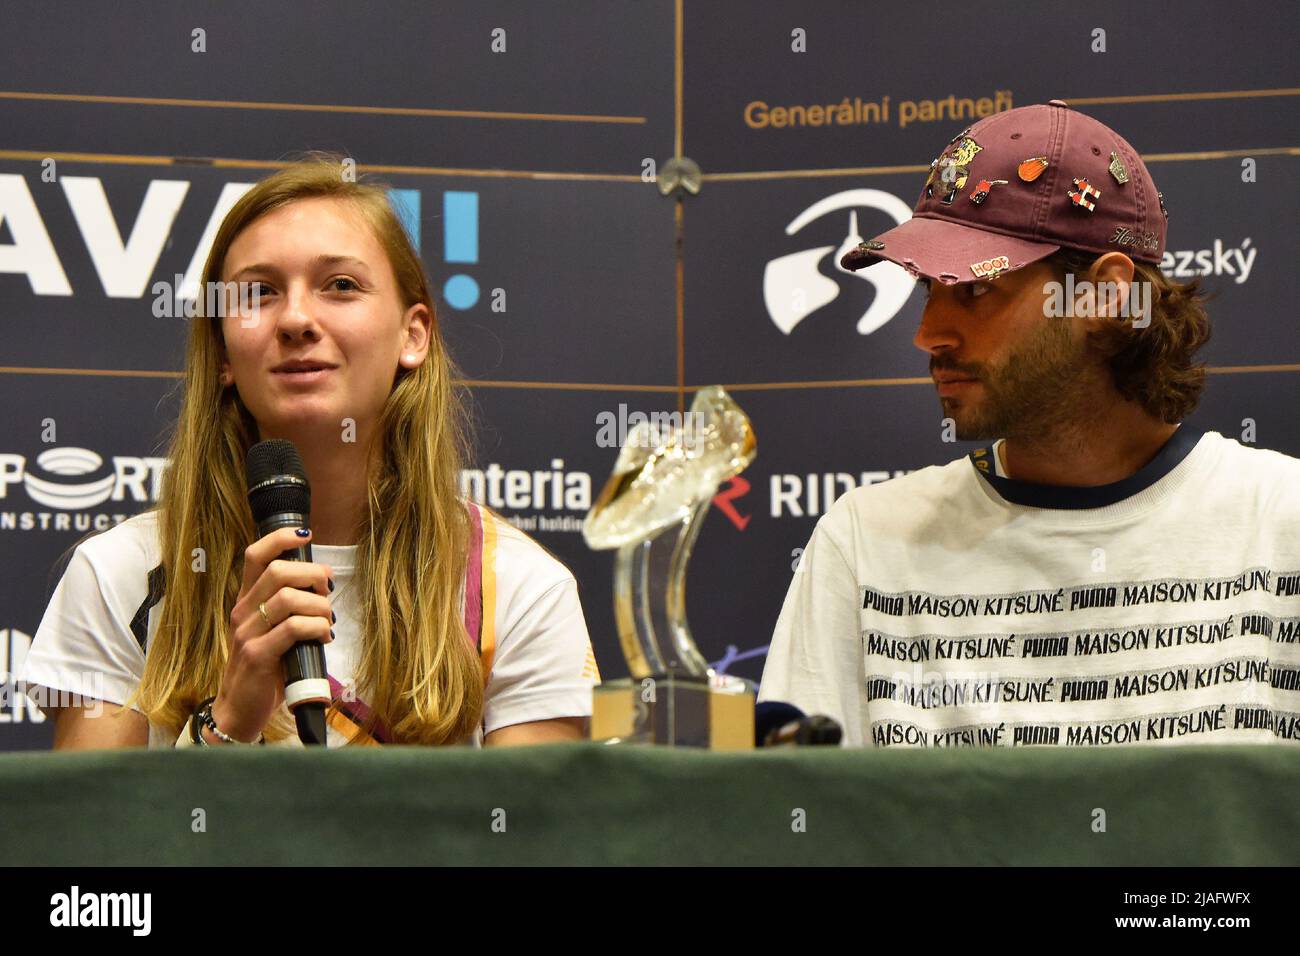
[[1016, 187]]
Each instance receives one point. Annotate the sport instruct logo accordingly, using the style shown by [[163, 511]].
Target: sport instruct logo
[[90, 483]]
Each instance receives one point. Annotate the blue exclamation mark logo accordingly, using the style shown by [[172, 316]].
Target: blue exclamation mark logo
[[460, 245], [406, 203]]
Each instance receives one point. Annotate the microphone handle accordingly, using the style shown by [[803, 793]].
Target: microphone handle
[[306, 681]]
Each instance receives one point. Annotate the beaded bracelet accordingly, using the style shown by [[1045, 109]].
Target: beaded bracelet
[[203, 717]]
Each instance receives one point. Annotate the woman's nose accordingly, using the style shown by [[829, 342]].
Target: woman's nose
[[297, 317]]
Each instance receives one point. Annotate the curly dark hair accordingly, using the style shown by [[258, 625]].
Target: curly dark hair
[[1152, 365]]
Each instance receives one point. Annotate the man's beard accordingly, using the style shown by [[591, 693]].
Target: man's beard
[[1038, 388]]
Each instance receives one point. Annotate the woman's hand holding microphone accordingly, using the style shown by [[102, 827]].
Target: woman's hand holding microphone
[[276, 608]]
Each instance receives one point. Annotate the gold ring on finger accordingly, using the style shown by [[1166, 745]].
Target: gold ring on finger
[[261, 609]]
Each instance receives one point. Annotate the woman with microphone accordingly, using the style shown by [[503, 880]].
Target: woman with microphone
[[441, 622]]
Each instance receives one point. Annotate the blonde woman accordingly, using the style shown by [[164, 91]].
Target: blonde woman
[[442, 623]]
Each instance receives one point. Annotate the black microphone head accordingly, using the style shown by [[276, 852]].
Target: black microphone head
[[277, 480], [820, 730], [770, 715]]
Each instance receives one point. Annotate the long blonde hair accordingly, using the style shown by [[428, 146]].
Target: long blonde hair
[[417, 668]]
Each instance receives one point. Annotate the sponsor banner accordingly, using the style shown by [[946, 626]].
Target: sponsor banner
[[829, 85], [557, 281], [797, 315], [572, 281], [1238, 244], [406, 83], [542, 456]]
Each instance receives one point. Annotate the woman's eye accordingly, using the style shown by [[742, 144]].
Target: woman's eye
[[343, 284], [260, 289], [977, 289]]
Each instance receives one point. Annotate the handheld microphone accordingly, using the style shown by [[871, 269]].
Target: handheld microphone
[[778, 724], [280, 497]]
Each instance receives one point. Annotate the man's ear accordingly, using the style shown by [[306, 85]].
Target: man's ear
[[1111, 276]]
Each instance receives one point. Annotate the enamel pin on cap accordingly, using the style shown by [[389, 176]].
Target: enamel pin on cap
[[1030, 169], [982, 188], [1117, 168], [1084, 195], [989, 268], [950, 170], [1057, 162]]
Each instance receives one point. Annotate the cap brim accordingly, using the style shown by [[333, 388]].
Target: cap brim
[[946, 252]]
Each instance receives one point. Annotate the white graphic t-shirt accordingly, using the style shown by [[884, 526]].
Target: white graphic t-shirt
[[954, 606], [94, 633]]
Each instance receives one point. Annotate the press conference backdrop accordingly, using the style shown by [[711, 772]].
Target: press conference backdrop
[[521, 140]]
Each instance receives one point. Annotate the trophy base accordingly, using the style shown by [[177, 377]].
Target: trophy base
[[675, 711]]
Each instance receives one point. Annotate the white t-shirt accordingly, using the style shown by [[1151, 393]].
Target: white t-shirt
[[542, 666], [954, 607]]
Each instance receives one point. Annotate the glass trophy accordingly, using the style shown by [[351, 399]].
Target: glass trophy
[[651, 510]]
